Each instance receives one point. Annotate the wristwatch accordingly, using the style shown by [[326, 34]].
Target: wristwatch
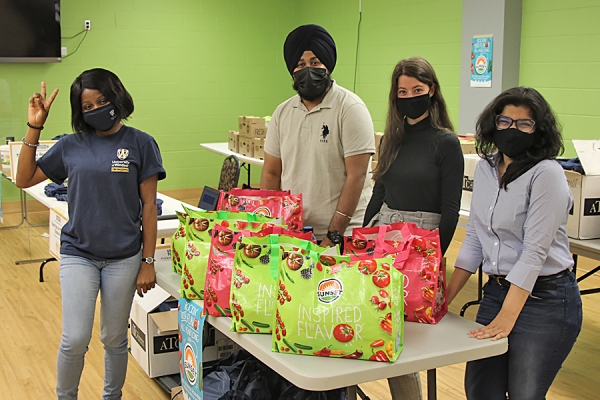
[[335, 237], [149, 260]]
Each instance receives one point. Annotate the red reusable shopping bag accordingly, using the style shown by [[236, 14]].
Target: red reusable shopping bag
[[364, 240], [225, 240], [271, 203], [419, 258]]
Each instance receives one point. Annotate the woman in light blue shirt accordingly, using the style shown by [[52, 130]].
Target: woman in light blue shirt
[[517, 222]]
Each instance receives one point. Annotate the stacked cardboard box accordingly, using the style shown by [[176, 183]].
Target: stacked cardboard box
[[584, 217], [234, 141], [252, 133]]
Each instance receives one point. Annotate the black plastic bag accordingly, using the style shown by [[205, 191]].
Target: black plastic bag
[[242, 376]]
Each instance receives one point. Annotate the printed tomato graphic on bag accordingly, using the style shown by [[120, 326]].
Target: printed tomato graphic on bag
[[343, 333], [343, 309], [420, 261]]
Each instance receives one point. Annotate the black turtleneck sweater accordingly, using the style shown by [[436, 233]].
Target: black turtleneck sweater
[[426, 176]]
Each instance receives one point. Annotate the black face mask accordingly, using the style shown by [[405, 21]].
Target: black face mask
[[513, 142], [101, 119], [311, 83], [413, 107]]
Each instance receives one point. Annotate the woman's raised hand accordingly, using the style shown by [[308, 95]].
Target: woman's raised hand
[[39, 106]]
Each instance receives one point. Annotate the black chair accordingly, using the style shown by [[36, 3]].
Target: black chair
[[230, 173]]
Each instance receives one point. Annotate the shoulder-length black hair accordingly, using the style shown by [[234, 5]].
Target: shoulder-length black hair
[[548, 140], [420, 69], [106, 83]]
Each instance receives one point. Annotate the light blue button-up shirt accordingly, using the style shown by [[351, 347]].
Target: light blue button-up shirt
[[520, 233]]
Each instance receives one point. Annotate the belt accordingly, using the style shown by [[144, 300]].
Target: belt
[[542, 282]]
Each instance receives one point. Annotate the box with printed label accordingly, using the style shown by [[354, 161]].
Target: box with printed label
[[234, 141], [154, 333], [471, 161], [259, 148], [253, 127], [584, 217], [246, 146]]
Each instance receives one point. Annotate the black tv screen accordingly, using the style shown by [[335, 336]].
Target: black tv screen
[[30, 31]]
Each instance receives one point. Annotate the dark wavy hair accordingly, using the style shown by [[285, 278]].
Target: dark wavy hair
[[548, 140], [106, 83], [420, 69]]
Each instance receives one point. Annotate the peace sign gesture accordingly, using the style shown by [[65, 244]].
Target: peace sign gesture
[[39, 106]]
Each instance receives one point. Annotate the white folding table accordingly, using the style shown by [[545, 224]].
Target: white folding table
[[222, 148], [426, 347]]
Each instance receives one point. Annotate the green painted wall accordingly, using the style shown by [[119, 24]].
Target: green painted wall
[[192, 66], [391, 30], [560, 57]]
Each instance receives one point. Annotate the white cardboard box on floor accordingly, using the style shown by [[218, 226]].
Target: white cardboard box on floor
[[584, 218], [154, 335]]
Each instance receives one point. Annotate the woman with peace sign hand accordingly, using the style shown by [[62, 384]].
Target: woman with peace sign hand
[[108, 244]]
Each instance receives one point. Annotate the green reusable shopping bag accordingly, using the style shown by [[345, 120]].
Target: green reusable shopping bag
[[254, 279], [332, 307], [178, 243], [193, 276]]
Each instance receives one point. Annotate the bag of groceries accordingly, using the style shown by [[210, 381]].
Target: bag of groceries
[[271, 203], [329, 306], [254, 279]]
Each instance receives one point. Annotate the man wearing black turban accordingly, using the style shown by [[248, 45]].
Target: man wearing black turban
[[319, 142]]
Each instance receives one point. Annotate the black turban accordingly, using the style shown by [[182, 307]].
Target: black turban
[[313, 38]]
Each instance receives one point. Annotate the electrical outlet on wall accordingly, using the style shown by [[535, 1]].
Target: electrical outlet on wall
[[87, 24]]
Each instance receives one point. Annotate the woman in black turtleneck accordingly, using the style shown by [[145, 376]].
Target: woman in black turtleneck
[[419, 173]]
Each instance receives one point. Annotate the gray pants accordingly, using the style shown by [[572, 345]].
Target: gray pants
[[423, 219], [406, 387]]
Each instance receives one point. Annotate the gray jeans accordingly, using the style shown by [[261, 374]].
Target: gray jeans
[[423, 219]]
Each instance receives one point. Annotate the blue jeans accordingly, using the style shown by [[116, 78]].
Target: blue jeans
[[80, 281], [540, 341]]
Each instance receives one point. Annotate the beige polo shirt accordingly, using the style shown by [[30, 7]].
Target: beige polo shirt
[[312, 146]]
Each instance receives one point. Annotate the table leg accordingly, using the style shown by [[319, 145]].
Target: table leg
[[431, 384], [352, 392], [23, 217], [248, 168], [26, 217]]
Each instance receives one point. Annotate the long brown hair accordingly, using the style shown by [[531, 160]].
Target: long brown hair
[[420, 69]]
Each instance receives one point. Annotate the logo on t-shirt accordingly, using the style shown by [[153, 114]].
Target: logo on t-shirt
[[122, 154], [325, 133], [120, 165]]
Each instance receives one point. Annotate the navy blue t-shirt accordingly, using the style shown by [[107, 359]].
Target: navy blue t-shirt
[[104, 174]]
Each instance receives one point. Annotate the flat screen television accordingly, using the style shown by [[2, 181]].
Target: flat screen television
[[30, 31]]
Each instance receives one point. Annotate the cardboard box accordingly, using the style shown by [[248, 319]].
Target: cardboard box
[[58, 218], [584, 217], [467, 143], [471, 161], [246, 146], [234, 141], [216, 345], [154, 335], [253, 127], [378, 136], [259, 148]]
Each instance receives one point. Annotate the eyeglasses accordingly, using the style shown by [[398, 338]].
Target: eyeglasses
[[525, 125]]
